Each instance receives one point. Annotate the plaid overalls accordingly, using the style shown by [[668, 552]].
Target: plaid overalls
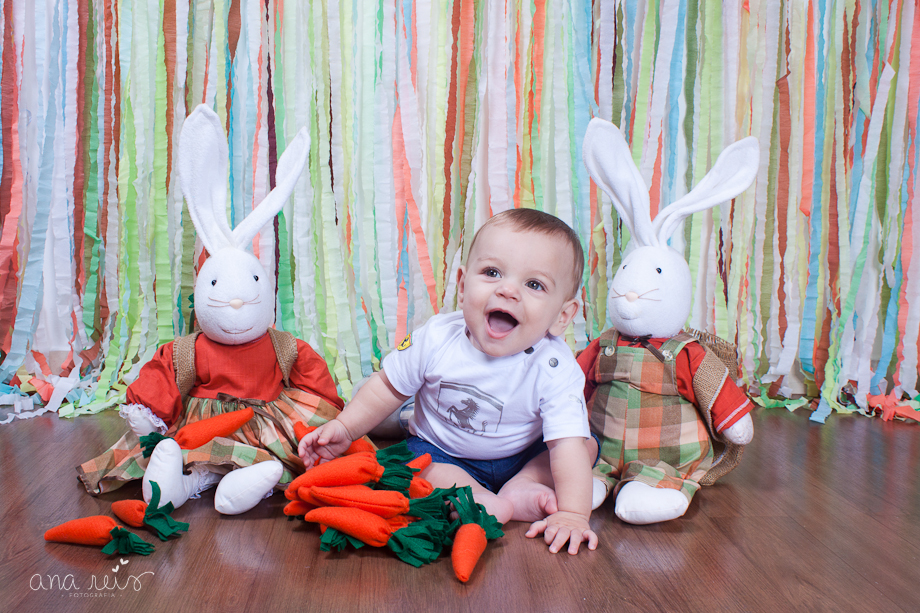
[[648, 431]]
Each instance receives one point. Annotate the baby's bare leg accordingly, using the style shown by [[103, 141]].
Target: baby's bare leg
[[530, 492], [446, 475]]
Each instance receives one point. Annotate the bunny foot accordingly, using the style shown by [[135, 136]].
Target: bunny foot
[[638, 503], [601, 489], [165, 468], [243, 488]]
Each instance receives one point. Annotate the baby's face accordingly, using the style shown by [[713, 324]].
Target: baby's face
[[516, 287]]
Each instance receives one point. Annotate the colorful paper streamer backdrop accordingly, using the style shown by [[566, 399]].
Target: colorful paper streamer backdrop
[[425, 119]]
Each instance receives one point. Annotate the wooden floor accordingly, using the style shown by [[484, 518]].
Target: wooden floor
[[816, 518]]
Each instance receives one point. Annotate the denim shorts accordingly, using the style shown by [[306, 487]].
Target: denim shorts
[[491, 474]]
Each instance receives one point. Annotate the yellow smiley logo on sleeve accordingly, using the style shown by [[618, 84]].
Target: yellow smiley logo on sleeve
[[406, 343]]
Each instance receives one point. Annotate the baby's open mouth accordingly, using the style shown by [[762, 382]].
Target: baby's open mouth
[[501, 322]]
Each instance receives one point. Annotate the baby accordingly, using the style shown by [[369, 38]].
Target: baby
[[499, 396]]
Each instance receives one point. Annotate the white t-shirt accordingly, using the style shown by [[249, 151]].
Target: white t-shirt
[[474, 406]]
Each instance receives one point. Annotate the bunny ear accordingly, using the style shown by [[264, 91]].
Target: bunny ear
[[733, 172], [203, 176], [610, 164], [287, 172]]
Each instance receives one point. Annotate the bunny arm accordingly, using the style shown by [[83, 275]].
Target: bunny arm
[[609, 161], [287, 173], [202, 165], [141, 420], [245, 371], [734, 171], [730, 406]]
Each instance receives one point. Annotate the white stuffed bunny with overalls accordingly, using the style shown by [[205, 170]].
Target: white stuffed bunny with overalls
[[658, 399]]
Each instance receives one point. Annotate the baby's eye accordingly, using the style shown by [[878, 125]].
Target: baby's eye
[[659, 270], [491, 272], [535, 285]]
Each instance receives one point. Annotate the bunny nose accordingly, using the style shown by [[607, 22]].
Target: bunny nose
[[236, 303], [632, 296]]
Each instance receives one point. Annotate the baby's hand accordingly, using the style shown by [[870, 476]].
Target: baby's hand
[[327, 442], [564, 526]]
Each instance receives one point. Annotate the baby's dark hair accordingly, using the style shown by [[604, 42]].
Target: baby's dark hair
[[532, 220]]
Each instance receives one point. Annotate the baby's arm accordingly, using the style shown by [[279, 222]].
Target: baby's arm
[[373, 402], [571, 468]]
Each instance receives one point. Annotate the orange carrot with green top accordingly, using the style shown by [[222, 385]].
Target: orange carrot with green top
[[355, 469], [385, 503], [476, 528], [368, 528], [95, 530], [130, 511], [100, 531], [469, 544], [198, 433]]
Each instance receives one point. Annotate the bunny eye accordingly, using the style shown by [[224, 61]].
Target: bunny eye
[[659, 270], [256, 277], [214, 282]]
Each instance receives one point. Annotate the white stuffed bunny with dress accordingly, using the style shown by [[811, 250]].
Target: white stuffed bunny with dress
[[658, 399], [237, 361]]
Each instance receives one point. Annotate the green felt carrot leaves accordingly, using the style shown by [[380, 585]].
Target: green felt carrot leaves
[[159, 519]]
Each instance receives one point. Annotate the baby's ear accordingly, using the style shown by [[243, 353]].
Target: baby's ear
[[461, 274], [566, 315]]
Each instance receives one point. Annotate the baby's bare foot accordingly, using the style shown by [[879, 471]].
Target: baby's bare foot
[[501, 508], [532, 501]]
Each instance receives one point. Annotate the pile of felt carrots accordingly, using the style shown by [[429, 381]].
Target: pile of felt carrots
[[376, 499], [103, 531]]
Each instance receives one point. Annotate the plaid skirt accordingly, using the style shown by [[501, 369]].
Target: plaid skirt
[[267, 436]]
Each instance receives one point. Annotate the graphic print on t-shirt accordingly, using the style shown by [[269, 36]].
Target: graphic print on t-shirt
[[469, 408]]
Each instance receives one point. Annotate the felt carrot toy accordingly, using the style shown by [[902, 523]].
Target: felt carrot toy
[[358, 446], [198, 433], [420, 463], [100, 531], [419, 488], [417, 543], [301, 430], [383, 467], [137, 514], [476, 528], [363, 525], [130, 511], [385, 503], [297, 508]]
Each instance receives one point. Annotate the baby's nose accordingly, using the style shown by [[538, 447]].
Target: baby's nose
[[632, 296], [236, 303], [507, 290]]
